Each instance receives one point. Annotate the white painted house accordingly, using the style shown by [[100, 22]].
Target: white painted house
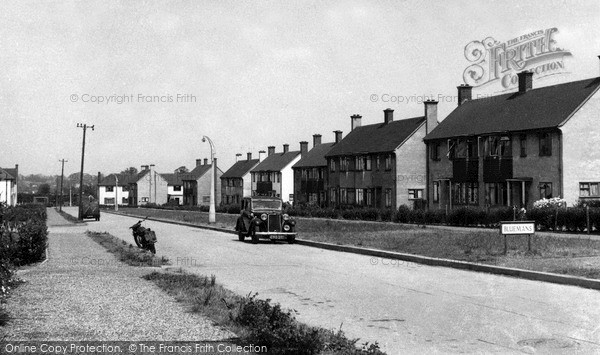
[[274, 175], [114, 187], [8, 185]]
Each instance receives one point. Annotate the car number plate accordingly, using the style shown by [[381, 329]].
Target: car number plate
[[278, 237]]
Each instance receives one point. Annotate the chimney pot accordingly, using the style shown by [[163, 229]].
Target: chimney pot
[[249, 156], [356, 121], [465, 93], [237, 157], [316, 140], [198, 162], [205, 161], [525, 81], [271, 150], [286, 148], [261, 155], [388, 115], [338, 136]]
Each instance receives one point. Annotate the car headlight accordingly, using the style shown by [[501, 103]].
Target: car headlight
[[286, 227], [263, 216], [286, 217]]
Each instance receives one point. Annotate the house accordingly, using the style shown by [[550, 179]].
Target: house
[[381, 165], [114, 186], [174, 188], [274, 175], [310, 173], [516, 148], [236, 182], [147, 186], [196, 184], [8, 185]]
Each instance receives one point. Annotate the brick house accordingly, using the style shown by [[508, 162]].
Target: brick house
[[109, 189], [274, 175], [146, 187], [381, 165], [515, 148], [236, 181], [8, 185], [310, 173], [196, 184]]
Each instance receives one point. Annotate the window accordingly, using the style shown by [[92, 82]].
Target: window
[[415, 194], [495, 193], [351, 198], [332, 195], [253, 177], [125, 200], [343, 196], [358, 163], [545, 189], [545, 144], [145, 199], [369, 200], [434, 151], [332, 165], [177, 188], [377, 163], [436, 191], [277, 177], [388, 197], [321, 173], [368, 163], [466, 193], [498, 146], [470, 148], [109, 201], [360, 197], [110, 189], [523, 144], [343, 164], [388, 162], [125, 188], [589, 189]]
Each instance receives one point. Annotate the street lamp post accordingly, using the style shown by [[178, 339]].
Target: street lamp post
[[85, 127], [62, 174], [116, 193], [211, 212]]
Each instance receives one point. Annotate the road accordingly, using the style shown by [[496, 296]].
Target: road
[[406, 307]]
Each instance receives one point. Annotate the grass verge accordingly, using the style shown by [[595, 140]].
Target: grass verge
[[68, 217], [554, 254], [255, 321], [127, 253]]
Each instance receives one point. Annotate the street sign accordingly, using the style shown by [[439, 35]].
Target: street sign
[[517, 227]]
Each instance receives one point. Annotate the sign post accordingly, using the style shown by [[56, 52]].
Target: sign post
[[517, 228]]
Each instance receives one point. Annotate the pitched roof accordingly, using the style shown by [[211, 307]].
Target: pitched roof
[[376, 138], [240, 168], [197, 172], [173, 179], [545, 107], [276, 161], [315, 156], [8, 174], [123, 179]]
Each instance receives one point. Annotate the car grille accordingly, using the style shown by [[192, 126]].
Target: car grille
[[274, 223]]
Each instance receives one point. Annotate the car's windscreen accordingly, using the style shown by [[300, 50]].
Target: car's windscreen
[[266, 204]]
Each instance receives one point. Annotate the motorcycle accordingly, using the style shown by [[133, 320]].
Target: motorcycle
[[144, 238]]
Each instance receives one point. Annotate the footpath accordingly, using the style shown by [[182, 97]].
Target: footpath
[[82, 292]]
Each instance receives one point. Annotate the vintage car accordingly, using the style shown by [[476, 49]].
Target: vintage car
[[90, 208], [263, 217]]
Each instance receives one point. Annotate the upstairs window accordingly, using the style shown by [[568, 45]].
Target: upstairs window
[[110, 189], [388, 162], [545, 144], [523, 144], [368, 163], [434, 151], [332, 165], [177, 188]]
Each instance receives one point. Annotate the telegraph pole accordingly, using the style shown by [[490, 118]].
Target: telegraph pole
[[62, 173], [85, 127]]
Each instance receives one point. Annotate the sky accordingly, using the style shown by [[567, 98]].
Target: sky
[[247, 74]]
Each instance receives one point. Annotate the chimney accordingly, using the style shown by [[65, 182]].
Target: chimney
[[205, 161], [270, 150], [430, 115], [248, 156], [465, 93], [237, 157], [525, 81], [261, 155], [316, 140], [144, 167], [338, 136], [356, 121], [286, 148], [388, 115], [303, 148], [198, 162]]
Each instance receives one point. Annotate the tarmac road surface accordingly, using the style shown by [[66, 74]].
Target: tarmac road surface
[[406, 307]]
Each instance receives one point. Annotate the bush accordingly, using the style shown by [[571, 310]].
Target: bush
[[403, 214], [23, 234]]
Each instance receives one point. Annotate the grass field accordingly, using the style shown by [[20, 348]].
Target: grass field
[[571, 256]]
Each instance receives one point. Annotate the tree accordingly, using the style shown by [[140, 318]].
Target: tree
[[130, 171], [44, 189], [182, 170]]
